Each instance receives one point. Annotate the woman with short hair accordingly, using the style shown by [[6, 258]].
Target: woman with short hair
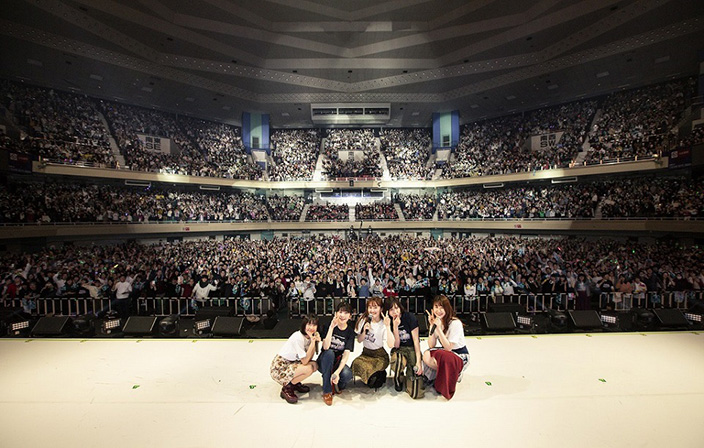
[[294, 362]]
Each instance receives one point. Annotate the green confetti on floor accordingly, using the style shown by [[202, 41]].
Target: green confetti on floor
[[488, 383], [478, 338], [83, 340], [194, 341], [250, 341], [643, 334], [534, 337], [602, 380], [28, 340], [138, 341], [588, 335], [135, 386], [252, 386]]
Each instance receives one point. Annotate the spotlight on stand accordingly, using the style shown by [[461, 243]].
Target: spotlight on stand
[[168, 326]]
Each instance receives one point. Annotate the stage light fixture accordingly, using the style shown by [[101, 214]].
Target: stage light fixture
[[18, 328], [168, 326], [612, 320], [201, 326], [525, 320], [692, 317], [111, 325]]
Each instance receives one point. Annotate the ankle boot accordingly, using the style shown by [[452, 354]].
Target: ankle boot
[[288, 394]]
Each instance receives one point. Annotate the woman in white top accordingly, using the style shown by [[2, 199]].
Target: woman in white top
[[294, 362], [372, 330], [447, 332]]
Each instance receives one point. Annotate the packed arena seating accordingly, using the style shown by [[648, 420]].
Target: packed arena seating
[[329, 212], [407, 152], [222, 149], [346, 140], [648, 197], [415, 206], [55, 203], [295, 153], [499, 146], [60, 126], [376, 211], [645, 197], [285, 208], [639, 123], [415, 266]]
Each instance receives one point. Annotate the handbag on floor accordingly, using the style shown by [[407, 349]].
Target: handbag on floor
[[415, 386]]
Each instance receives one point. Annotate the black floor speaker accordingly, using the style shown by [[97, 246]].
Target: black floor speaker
[[211, 312], [506, 308], [498, 321], [585, 319], [422, 324], [671, 318], [227, 326], [51, 326], [140, 325]]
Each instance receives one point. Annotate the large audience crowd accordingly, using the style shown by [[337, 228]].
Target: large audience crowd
[[640, 197], [328, 212], [285, 208], [295, 153], [60, 126], [415, 206], [70, 128], [502, 145], [351, 141], [376, 211], [222, 149], [647, 197], [298, 270], [53, 203], [639, 123], [407, 152]]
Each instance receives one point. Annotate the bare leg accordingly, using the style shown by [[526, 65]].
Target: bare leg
[[429, 360], [303, 372]]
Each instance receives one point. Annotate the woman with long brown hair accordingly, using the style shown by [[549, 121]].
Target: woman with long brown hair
[[444, 364], [372, 330]]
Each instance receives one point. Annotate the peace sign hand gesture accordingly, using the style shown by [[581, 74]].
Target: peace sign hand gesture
[[387, 321]]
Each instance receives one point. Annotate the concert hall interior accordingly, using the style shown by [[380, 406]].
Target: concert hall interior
[[485, 216]]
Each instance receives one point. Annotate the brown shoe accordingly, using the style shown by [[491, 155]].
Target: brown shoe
[[336, 390], [288, 394], [302, 388], [327, 398]]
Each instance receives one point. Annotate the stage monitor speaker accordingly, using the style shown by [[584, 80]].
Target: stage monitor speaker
[[211, 312], [506, 308], [671, 318], [139, 325], [422, 324], [227, 326], [585, 319], [351, 183], [498, 321], [51, 326]]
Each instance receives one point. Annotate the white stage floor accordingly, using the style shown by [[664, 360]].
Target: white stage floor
[[575, 390]]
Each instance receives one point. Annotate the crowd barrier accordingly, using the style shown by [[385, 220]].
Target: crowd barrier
[[325, 306]]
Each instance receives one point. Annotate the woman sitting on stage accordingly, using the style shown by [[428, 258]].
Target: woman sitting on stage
[[446, 363], [294, 362], [337, 346], [371, 331], [405, 348]]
